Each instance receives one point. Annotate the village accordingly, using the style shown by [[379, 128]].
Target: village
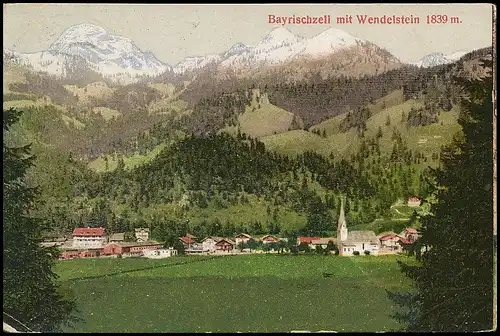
[[94, 242]]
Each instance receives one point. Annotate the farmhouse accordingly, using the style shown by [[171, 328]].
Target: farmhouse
[[323, 242], [187, 242], [208, 244], [79, 253], [410, 235], [142, 234], [389, 240], [306, 240], [354, 241], [129, 249], [269, 239], [414, 201], [225, 245], [242, 238], [160, 253], [88, 237], [190, 244]]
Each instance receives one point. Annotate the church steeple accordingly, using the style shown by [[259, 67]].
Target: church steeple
[[342, 224]]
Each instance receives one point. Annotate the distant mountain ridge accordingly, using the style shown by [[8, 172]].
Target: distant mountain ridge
[[438, 58], [112, 56], [90, 47], [280, 45]]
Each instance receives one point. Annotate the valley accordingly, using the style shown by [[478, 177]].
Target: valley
[[108, 128], [290, 138]]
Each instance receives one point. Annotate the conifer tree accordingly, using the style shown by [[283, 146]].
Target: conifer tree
[[29, 289], [454, 279]]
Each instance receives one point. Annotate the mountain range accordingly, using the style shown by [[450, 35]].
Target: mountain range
[[438, 58], [120, 60]]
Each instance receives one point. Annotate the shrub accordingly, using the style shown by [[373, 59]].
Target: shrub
[[367, 252], [356, 253]]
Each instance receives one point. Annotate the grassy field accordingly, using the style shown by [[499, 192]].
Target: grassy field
[[130, 162], [250, 293], [426, 139], [106, 113], [266, 120]]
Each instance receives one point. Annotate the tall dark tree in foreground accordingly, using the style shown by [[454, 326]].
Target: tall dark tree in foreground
[[454, 279], [29, 291]]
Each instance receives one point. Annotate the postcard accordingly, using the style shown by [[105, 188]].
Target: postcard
[[249, 168]]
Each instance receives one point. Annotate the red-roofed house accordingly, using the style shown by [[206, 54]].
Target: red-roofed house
[[88, 237], [390, 240], [306, 240], [73, 254], [130, 248], [410, 234], [187, 241], [190, 244]]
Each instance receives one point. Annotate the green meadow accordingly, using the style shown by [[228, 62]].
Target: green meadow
[[247, 293]]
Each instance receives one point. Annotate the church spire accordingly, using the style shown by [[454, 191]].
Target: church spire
[[342, 224]]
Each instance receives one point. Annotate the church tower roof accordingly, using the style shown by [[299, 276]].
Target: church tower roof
[[342, 221], [342, 231]]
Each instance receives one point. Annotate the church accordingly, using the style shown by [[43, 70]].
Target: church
[[360, 241]]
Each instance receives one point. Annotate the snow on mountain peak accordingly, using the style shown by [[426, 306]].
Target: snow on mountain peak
[[279, 34], [438, 58], [329, 41], [82, 31], [110, 55]]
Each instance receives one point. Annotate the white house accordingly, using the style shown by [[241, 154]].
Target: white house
[[142, 234], [242, 238], [88, 237], [208, 244], [350, 242], [389, 240], [160, 253]]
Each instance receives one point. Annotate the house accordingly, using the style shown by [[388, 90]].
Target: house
[[269, 239], [389, 240], [306, 240], [117, 237], [414, 201], [79, 253], [187, 242], [142, 234], [208, 243], [242, 238], [354, 241], [410, 235], [69, 254], [323, 242], [130, 248], [88, 237], [160, 253], [190, 244], [225, 245]]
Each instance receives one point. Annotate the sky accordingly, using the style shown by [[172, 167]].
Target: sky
[[173, 32]]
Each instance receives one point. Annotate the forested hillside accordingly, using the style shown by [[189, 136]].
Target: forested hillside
[[369, 141]]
